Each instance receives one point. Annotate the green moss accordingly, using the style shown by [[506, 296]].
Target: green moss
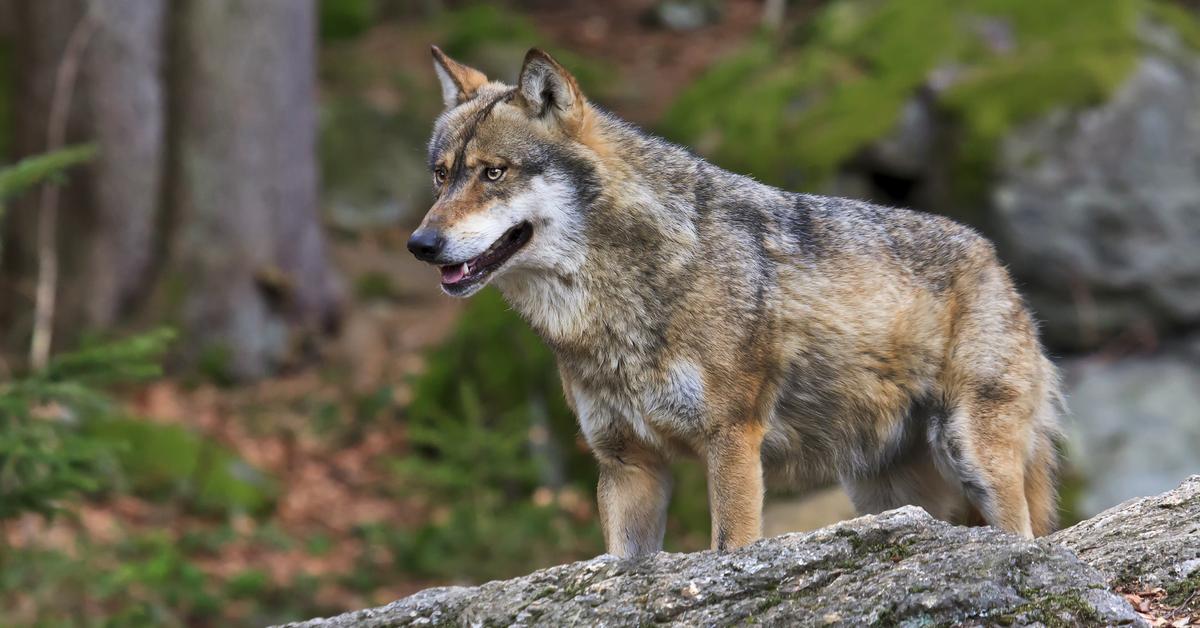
[[1179, 592], [1076, 64], [1178, 18], [878, 544], [792, 111], [769, 601], [1049, 609], [1055, 610]]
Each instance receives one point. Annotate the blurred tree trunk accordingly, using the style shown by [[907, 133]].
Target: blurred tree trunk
[[246, 261], [201, 208], [7, 17], [107, 214]]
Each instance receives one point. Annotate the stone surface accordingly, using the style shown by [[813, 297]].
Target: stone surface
[[1154, 541], [901, 567], [1098, 211], [1134, 425]]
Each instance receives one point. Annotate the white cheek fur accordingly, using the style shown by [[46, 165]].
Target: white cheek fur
[[544, 204]]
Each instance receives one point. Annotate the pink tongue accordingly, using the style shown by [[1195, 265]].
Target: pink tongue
[[453, 274]]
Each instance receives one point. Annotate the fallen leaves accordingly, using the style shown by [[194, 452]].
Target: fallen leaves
[[1151, 604]]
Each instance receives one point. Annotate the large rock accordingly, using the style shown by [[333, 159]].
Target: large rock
[[1096, 208], [1153, 541], [901, 567], [1134, 425], [1098, 211]]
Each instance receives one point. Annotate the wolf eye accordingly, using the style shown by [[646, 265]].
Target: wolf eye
[[439, 175], [494, 174]]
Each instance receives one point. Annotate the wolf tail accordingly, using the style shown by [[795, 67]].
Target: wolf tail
[[1042, 467]]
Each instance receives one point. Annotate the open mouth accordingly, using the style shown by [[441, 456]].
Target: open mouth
[[456, 277]]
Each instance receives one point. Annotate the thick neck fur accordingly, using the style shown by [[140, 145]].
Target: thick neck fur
[[635, 242]]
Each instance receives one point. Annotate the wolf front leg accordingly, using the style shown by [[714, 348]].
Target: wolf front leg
[[633, 493], [735, 485]]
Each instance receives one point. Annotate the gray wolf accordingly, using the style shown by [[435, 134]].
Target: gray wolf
[[777, 336]]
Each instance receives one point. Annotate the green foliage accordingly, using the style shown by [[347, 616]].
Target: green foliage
[[30, 171], [345, 19], [33, 170], [469, 29], [46, 455], [170, 461], [148, 579], [791, 111], [152, 585], [495, 39]]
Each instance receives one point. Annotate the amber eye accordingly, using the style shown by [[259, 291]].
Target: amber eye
[[494, 174], [439, 175]]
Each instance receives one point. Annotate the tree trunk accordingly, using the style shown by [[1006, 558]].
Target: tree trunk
[[205, 186], [107, 215], [247, 264], [7, 16]]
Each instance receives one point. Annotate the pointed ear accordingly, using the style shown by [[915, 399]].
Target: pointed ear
[[545, 87], [459, 82]]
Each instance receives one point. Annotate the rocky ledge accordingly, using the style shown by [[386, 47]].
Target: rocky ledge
[[898, 568]]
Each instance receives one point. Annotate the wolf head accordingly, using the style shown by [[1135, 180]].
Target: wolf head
[[512, 172]]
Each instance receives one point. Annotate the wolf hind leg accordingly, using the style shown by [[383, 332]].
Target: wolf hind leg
[[984, 450]]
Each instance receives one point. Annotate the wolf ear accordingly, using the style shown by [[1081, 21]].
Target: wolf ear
[[545, 87], [459, 82]]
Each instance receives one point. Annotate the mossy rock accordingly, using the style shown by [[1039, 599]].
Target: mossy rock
[[166, 461], [793, 110]]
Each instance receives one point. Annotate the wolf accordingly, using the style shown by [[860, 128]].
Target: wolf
[[780, 337]]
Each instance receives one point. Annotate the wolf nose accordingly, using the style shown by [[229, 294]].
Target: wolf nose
[[426, 245]]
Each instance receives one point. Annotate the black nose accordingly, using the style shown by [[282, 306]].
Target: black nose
[[426, 244]]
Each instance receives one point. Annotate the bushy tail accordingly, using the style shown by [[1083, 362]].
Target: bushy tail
[[1042, 466]]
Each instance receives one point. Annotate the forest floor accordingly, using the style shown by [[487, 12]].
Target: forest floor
[[327, 431]]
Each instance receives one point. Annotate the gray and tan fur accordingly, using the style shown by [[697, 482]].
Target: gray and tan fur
[[776, 336]]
